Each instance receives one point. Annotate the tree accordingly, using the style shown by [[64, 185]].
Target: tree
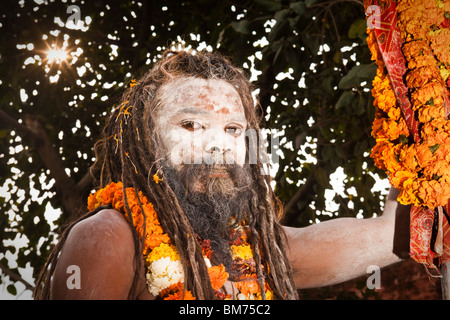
[[64, 64]]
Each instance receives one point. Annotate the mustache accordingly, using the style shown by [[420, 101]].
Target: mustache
[[218, 177]]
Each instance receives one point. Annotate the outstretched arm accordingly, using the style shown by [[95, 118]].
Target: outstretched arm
[[342, 249]]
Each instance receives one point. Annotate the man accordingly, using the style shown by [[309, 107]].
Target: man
[[179, 141]]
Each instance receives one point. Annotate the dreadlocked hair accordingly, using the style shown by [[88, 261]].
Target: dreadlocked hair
[[130, 151]]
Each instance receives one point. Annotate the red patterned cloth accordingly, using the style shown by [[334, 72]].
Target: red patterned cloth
[[429, 230]]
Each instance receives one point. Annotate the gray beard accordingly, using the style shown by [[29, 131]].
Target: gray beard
[[211, 209]]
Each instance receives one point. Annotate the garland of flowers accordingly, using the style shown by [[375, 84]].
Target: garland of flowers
[[421, 169], [164, 273]]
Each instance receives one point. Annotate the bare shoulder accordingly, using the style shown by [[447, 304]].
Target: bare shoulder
[[107, 232], [107, 224], [101, 249]]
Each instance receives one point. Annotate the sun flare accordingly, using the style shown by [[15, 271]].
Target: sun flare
[[56, 55]]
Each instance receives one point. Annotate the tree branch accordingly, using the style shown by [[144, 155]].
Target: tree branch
[[85, 183], [15, 277], [13, 123], [301, 193], [65, 187]]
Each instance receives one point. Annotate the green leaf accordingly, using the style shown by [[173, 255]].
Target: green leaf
[[360, 147], [358, 74], [345, 99], [241, 26], [434, 148], [11, 289], [281, 15], [357, 29], [327, 153], [321, 177], [269, 5], [279, 30], [298, 7], [310, 2]]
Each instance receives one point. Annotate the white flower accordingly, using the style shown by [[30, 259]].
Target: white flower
[[207, 262], [242, 296], [163, 273]]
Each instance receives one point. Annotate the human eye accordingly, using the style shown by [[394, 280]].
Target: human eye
[[191, 125], [234, 130]]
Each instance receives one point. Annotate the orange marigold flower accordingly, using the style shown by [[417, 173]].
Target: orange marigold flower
[[408, 158], [373, 47], [389, 129], [420, 76], [423, 27], [398, 178], [434, 15], [432, 93], [432, 193], [218, 276], [437, 169], [93, 203], [377, 153], [391, 158], [175, 292], [423, 155], [428, 113], [418, 48], [248, 286], [406, 195], [153, 240]]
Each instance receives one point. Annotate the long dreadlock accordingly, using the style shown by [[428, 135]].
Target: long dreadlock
[[129, 152]]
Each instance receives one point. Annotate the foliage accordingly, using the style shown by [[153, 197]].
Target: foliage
[[309, 60]]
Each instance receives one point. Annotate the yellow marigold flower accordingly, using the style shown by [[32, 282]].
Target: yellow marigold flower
[[445, 71], [243, 251], [163, 251], [156, 178]]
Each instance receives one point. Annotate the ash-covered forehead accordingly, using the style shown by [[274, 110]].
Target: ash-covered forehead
[[191, 93]]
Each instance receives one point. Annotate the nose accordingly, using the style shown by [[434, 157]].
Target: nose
[[215, 149], [216, 146]]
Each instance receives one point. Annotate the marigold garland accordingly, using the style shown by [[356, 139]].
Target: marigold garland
[[420, 170], [164, 273]]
